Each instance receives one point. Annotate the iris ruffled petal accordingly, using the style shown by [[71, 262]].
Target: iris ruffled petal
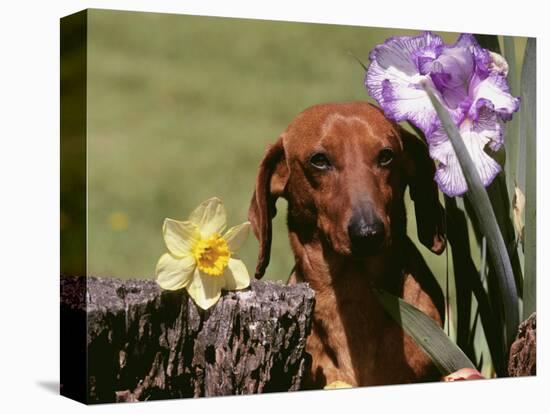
[[487, 122], [495, 89], [482, 57], [403, 53], [409, 102], [449, 176], [469, 80], [396, 76], [451, 74]]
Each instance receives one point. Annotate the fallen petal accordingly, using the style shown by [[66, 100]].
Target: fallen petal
[[464, 374], [337, 384]]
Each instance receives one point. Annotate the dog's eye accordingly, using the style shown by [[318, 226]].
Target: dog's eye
[[320, 161], [385, 157]]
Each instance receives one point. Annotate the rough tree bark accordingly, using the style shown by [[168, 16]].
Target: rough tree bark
[[143, 343], [523, 352]]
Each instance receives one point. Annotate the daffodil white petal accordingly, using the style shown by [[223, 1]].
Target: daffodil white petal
[[209, 217], [179, 236], [236, 275], [174, 273], [236, 236], [205, 289]]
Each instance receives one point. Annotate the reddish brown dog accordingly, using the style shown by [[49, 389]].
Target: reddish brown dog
[[343, 168]]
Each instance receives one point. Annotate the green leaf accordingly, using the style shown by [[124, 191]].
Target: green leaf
[[468, 277], [501, 190], [528, 131], [457, 235], [499, 197], [513, 141], [488, 224], [488, 42], [444, 353], [466, 274], [510, 56]]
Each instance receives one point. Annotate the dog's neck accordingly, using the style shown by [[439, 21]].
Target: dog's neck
[[323, 268]]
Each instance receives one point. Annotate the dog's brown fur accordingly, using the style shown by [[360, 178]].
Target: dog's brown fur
[[352, 338]]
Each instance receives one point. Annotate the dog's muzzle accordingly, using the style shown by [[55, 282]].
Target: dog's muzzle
[[366, 233]]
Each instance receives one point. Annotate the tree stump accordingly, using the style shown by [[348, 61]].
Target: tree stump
[[142, 343], [523, 352]]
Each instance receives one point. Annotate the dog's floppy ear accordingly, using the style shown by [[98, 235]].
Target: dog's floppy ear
[[420, 170], [270, 185]]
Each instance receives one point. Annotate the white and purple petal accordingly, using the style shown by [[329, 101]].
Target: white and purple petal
[[482, 57], [395, 76], [476, 136], [485, 119], [448, 174], [409, 102], [374, 78], [451, 73], [400, 96], [495, 89], [405, 53]]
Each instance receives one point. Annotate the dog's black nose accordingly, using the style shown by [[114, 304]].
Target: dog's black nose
[[366, 233]]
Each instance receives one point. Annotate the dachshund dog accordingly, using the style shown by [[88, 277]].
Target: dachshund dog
[[343, 169]]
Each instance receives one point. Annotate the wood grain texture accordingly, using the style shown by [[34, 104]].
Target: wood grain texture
[[143, 343], [523, 353]]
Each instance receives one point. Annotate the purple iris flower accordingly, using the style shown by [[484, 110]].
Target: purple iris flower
[[470, 82]]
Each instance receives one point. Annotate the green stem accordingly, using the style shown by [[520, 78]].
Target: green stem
[[488, 223]]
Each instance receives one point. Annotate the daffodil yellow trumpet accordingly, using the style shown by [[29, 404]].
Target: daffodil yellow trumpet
[[201, 259]]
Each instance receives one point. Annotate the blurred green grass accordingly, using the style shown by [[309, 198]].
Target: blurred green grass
[[181, 108]]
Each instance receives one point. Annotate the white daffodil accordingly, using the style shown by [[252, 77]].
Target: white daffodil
[[199, 257]]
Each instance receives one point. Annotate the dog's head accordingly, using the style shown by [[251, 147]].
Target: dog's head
[[343, 169]]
